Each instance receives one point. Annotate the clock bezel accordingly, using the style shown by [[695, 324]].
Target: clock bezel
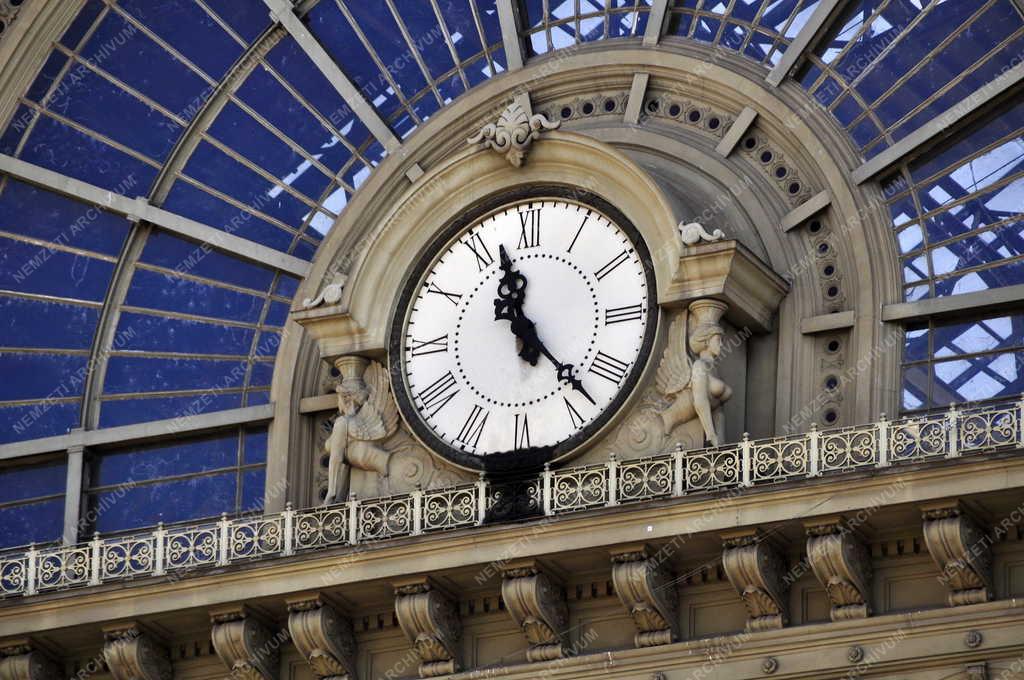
[[534, 458]]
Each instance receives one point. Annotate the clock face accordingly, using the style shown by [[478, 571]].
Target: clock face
[[523, 330]]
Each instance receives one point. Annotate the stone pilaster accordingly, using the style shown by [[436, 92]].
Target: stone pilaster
[[756, 568], [962, 551], [430, 620], [245, 643], [132, 653], [537, 605], [646, 590], [842, 565], [323, 637]]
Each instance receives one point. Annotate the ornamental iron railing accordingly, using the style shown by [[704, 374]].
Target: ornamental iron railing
[[178, 551]]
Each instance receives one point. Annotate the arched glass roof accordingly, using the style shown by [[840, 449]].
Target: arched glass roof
[[212, 111]]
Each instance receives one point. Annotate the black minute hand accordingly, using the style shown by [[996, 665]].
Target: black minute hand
[[509, 306]]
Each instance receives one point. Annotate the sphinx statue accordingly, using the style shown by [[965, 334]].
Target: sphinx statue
[[366, 415], [690, 381]]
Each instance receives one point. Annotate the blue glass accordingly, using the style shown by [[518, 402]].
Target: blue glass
[[828, 91], [916, 382], [383, 34], [190, 201], [248, 19], [21, 482], [985, 335], [116, 412], [216, 169], [759, 46], [169, 460], [304, 249], [427, 36], [262, 374], [488, 12], [253, 485], [277, 314], [734, 36], [847, 110], [129, 374], [916, 344], [96, 103], [144, 332], [746, 10], [983, 209], [28, 268], [186, 27], [32, 421], [994, 376], [132, 57], [255, 446], [172, 501], [37, 323], [257, 397], [679, 24], [31, 523], [865, 131], [165, 250], [458, 20], [83, 21], [40, 376], [268, 344], [32, 211], [57, 147], [158, 291], [1008, 274], [286, 286], [9, 141], [48, 74], [299, 72]]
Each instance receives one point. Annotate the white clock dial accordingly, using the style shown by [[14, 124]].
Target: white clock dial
[[563, 348]]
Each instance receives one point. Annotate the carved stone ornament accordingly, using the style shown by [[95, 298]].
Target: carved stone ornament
[[21, 660], [976, 671], [244, 644], [430, 620], [513, 133], [692, 233], [538, 607], [323, 637], [842, 565], [755, 568], [962, 552], [133, 654], [331, 294], [367, 414], [690, 382], [645, 588]]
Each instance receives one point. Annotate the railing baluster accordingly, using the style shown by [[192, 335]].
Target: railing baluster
[[1020, 421], [954, 434], [745, 459], [224, 530], [481, 499], [94, 560], [31, 559], [613, 480], [548, 505], [159, 568], [883, 442], [812, 451], [677, 471], [353, 520], [417, 511], [289, 530]]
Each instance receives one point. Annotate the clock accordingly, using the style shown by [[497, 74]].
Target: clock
[[523, 329]]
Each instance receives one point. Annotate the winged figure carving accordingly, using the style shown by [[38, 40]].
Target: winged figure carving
[[691, 382], [367, 414]]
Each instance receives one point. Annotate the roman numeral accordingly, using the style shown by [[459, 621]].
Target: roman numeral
[[437, 395], [609, 368], [622, 314], [612, 265], [423, 347], [473, 427], [452, 297], [479, 249], [522, 432], [574, 416], [529, 222], [585, 218]]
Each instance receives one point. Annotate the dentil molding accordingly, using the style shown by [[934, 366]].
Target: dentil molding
[[645, 587], [537, 605], [430, 620], [323, 637]]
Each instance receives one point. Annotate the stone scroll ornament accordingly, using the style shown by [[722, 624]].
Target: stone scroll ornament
[[430, 621], [323, 637], [538, 607], [367, 414], [331, 294], [513, 133], [22, 660], [692, 233], [133, 654], [690, 382]]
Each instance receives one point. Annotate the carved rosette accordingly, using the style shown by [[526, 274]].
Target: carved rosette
[[537, 605], [842, 565], [21, 660], [430, 620], [755, 568], [962, 551], [133, 654], [323, 637], [245, 645], [645, 588]]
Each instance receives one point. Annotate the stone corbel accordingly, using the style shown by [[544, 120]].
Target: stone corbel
[[645, 588], [842, 565], [537, 605], [245, 644], [322, 636], [962, 551], [755, 568], [430, 620], [132, 653], [728, 272], [21, 659]]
